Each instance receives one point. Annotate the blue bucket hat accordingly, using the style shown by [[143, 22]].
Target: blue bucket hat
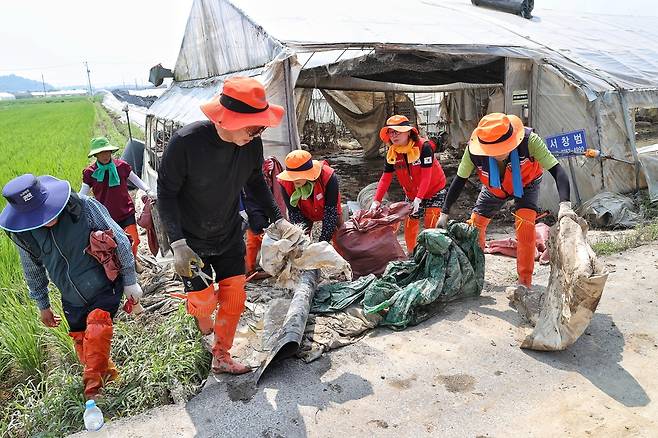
[[33, 202]]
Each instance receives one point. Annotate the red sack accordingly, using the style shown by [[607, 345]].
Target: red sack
[[368, 241], [145, 221]]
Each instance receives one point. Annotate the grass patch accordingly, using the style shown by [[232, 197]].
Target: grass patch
[[639, 236], [159, 363], [113, 128], [160, 359]]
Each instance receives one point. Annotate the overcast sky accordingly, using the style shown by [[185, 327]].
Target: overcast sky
[[122, 39]]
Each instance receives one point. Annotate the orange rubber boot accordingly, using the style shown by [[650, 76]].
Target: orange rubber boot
[[526, 246], [411, 226], [431, 217], [97, 340], [131, 231], [481, 223], [254, 242], [78, 343], [231, 304]]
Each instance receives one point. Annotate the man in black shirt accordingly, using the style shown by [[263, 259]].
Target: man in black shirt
[[203, 170]]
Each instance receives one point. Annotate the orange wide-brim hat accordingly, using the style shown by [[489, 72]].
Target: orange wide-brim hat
[[242, 103], [300, 165], [396, 123], [496, 134]]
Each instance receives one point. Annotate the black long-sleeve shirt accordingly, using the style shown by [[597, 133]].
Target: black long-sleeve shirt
[[199, 182]]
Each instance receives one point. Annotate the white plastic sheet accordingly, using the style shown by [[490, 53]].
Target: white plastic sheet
[[287, 252]]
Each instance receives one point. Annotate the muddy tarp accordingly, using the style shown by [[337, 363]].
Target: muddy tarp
[[368, 240], [334, 297], [609, 210], [362, 125], [334, 330], [447, 265], [574, 289]]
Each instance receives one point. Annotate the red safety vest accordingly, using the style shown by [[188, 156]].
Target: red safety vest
[[530, 169], [313, 207], [409, 174]]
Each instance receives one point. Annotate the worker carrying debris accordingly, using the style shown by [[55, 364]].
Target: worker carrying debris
[[108, 179], [509, 159], [311, 192], [203, 170], [51, 226], [419, 173]]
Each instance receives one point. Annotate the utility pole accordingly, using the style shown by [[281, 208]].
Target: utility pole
[[89, 79], [135, 83], [44, 85]]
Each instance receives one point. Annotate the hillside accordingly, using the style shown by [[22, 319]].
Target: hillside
[[14, 84]]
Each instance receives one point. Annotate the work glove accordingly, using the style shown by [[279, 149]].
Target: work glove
[[416, 205], [374, 206], [443, 221], [566, 211], [283, 225], [184, 257], [133, 291], [49, 319]]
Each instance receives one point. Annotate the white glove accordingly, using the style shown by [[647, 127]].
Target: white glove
[[283, 225], [443, 221], [152, 194], [133, 291], [566, 211], [374, 206], [416, 205]]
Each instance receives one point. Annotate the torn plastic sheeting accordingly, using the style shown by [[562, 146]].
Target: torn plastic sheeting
[[286, 253], [330, 331], [574, 290], [289, 337], [649, 161], [609, 210]]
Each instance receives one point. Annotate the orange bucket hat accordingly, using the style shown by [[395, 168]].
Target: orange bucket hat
[[242, 103], [300, 165], [396, 123], [496, 134]]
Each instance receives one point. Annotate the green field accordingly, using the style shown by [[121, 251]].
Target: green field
[[40, 379]]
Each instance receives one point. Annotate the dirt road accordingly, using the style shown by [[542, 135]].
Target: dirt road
[[460, 374]]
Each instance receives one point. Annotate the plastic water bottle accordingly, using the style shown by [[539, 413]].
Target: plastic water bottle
[[93, 417]]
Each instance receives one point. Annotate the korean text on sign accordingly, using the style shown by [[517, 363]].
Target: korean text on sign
[[569, 143]]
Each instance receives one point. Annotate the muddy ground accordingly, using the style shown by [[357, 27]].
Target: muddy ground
[[459, 374], [355, 172]]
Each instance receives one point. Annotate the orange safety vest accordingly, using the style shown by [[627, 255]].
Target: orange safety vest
[[313, 207], [530, 169], [409, 174]]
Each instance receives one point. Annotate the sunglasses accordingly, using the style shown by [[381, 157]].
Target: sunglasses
[[393, 132], [255, 131]]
